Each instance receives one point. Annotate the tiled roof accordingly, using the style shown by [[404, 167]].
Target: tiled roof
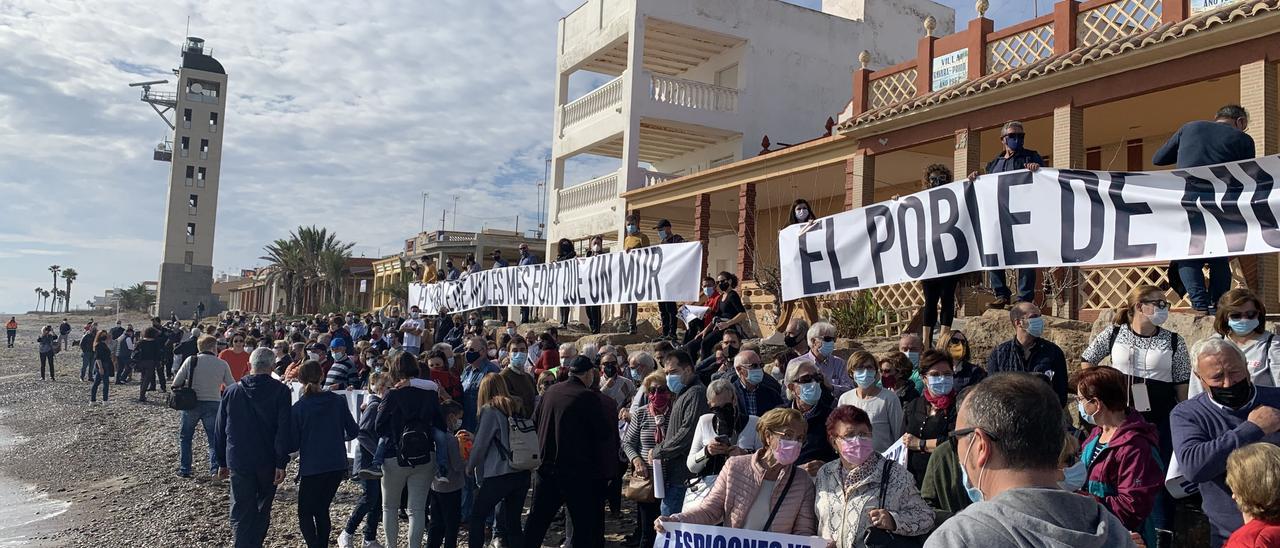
[[1077, 57]]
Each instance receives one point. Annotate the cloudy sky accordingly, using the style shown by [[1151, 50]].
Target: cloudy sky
[[340, 114]]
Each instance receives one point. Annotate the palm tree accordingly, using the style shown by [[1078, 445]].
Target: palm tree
[[54, 269], [68, 275], [286, 269], [310, 260], [57, 298], [39, 294], [45, 294]]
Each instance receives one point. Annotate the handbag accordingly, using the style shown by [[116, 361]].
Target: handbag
[[640, 489], [183, 398], [876, 537]]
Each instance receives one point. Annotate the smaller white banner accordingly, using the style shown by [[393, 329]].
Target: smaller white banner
[[897, 453], [689, 313], [688, 535], [1177, 485], [950, 69], [355, 403]]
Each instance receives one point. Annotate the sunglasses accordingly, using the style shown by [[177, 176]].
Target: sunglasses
[[808, 379], [828, 339], [1250, 315], [1158, 303]]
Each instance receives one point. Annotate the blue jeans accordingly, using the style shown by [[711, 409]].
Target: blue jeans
[[206, 412], [104, 379], [251, 496], [86, 365], [1026, 284], [1192, 274], [674, 501], [368, 509]]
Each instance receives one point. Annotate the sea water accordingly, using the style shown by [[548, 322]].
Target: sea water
[[21, 507]]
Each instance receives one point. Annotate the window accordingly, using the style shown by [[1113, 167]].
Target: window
[[204, 149], [186, 118], [193, 202], [187, 258], [184, 147], [191, 173], [213, 122], [200, 175], [191, 233]]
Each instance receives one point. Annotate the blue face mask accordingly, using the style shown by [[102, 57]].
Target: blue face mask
[[1243, 326], [518, 358], [1074, 476], [974, 493], [754, 376], [662, 234], [914, 357], [864, 377], [1085, 416], [675, 384], [1035, 326], [1014, 141], [828, 347], [942, 384], [635, 375], [810, 393], [631, 229], [708, 291]]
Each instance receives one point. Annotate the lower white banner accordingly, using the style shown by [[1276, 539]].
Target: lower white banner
[[688, 535], [355, 405], [668, 272], [1050, 218]]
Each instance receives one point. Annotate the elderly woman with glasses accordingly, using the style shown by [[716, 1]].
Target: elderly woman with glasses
[[725, 432], [812, 397], [862, 490], [1154, 360], [764, 490], [1241, 321]]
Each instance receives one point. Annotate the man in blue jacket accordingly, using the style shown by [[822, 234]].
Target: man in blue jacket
[[1028, 352], [1013, 158], [251, 443], [1232, 413], [1205, 143]]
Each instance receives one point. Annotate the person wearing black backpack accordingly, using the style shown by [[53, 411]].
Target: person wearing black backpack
[[407, 420], [492, 465]]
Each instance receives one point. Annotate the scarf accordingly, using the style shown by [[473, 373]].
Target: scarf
[[940, 403], [659, 420]]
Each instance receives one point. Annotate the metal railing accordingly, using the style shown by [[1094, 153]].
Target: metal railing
[[594, 192], [691, 94], [159, 97], [599, 100]]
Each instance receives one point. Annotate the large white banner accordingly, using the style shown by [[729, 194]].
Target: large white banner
[[688, 535], [1053, 217], [668, 272]]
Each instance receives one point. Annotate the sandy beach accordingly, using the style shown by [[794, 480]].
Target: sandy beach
[[114, 464]]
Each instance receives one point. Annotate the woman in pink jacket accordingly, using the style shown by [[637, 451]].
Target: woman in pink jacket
[[762, 491]]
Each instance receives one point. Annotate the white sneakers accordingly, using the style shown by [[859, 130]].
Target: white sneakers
[[344, 539]]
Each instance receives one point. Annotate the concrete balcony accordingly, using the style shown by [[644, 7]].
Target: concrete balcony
[[606, 98], [691, 94], [598, 192]]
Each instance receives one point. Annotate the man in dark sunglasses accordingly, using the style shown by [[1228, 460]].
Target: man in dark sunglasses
[[1008, 438]]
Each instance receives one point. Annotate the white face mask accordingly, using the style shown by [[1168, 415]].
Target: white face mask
[[248, 349], [313, 356], [802, 214]]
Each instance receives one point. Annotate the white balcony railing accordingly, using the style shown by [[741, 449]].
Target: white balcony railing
[[608, 96], [594, 192], [691, 94], [657, 177]]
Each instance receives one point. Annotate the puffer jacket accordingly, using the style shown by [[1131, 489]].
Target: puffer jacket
[[736, 489], [1127, 475]]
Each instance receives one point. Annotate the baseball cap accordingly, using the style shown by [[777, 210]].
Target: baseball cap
[[581, 364], [663, 224]]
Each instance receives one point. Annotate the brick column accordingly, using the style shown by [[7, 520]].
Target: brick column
[[859, 180], [1260, 97], [702, 225], [746, 231], [968, 154], [1065, 14], [1068, 137], [1174, 11]]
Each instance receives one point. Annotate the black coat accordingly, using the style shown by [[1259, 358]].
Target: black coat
[[574, 432]]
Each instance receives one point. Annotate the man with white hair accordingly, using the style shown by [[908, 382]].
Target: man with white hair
[[822, 345], [757, 392], [1232, 413], [250, 442]]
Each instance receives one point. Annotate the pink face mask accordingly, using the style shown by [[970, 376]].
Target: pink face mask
[[856, 450], [786, 452]]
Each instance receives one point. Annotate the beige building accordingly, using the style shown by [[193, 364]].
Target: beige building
[[444, 245], [196, 113]]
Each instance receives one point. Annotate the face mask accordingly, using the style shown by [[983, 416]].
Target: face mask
[[662, 234], [247, 349], [723, 419], [493, 353], [724, 286], [786, 452], [337, 356], [802, 214], [1073, 477], [1233, 397], [631, 229], [518, 358], [828, 347], [864, 377], [597, 248], [675, 384], [1243, 326], [511, 331], [914, 357], [790, 341], [414, 315], [1084, 415], [660, 400], [754, 376], [1035, 326], [635, 375], [730, 351], [313, 356], [974, 493], [450, 361], [956, 351], [810, 393], [1014, 141], [471, 357], [856, 450], [1159, 316], [708, 291], [888, 382], [941, 385], [610, 371]]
